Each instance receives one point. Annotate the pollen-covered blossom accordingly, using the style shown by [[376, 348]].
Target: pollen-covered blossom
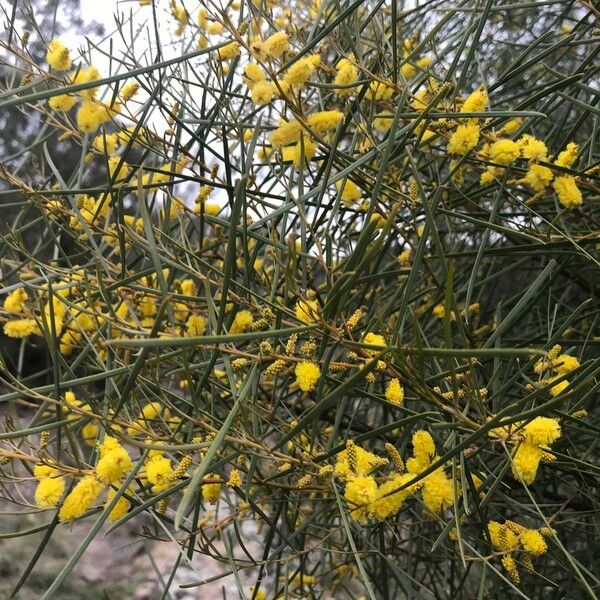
[[360, 492], [15, 301], [211, 492], [568, 156], [464, 138], [57, 56], [62, 102], [301, 152], [113, 464], [301, 71], [532, 149], [346, 75], [242, 321], [229, 51], [307, 374], [49, 491], [130, 89], [307, 311], [390, 497], [81, 498], [87, 75], [195, 326], [364, 462], [350, 191], [158, 471], [325, 120], [120, 508], [394, 391], [277, 44], [569, 195], [287, 133], [373, 339], [20, 328], [476, 102], [91, 115], [262, 92], [504, 151], [538, 177]]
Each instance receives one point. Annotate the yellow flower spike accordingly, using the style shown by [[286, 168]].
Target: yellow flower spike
[[532, 149], [526, 462], [533, 542], [504, 152], [211, 492], [394, 392], [113, 465], [373, 339], [195, 326], [568, 156], [475, 102], [121, 507], [464, 139], [81, 498], [325, 120], [307, 311], [277, 44], [49, 492], [538, 177], [390, 498], [57, 56], [307, 375], [301, 71], [438, 491], [242, 321], [542, 431], [21, 328], [360, 492], [350, 191], [569, 195]]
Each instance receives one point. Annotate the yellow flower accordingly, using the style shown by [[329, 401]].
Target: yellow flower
[[301, 71], [533, 542], [211, 492], [295, 153], [526, 462], [229, 51], [538, 177], [57, 56], [253, 74], [62, 102], [15, 301], [374, 339], [475, 102], [41, 471], [307, 374], [20, 328], [559, 388], [542, 431], [385, 506], [158, 471], [49, 491], [87, 75], [361, 491], [423, 450], [120, 508], [512, 125], [113, 465], [107, 144], [394, 392], [325, 120], [129, 90], [81, 498], [438, 491], [91, 115], [243, 320], [569, 195], [346, 75], [350, 192], [195, 326], [565, 364], [365, 462], [464, 138], [287, 133], [277, 44], [503, 538], [568, 156], [262, 92], [532, 148], [504, 151], [379, 90], [307, 311]]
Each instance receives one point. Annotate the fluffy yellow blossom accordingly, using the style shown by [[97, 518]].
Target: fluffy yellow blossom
[[373, 339], [365, 462], [211, 492], [532, 149], [533, 542], [301, 71], [158, 471], [242, 321], [287, 133], [565, 364], [394, 392], [324, 121], [253, 74], [20, 328], [113, 465], [120, 508], [15, 301], [503, 538], [81, 498], [300, 153], [438, 491], [559, 388], [350, 193], [129, 90], [307, 311], [542, 431], [262, 92], [512, 125], [89, 433], [385, 505], [475, 102], [504, 151], [41, 471], [87, 75], [569, 195], [487, 177], [538, 177], [62, 102], [195, 326], [307, 374], [49, 491], [423, 450], [277, 44], [346, 75], [106, 143], [229, 51], [568, 156], [360, 492], [464, 139], [379, 91], [57, 56], [91, 115], [526, 462]]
